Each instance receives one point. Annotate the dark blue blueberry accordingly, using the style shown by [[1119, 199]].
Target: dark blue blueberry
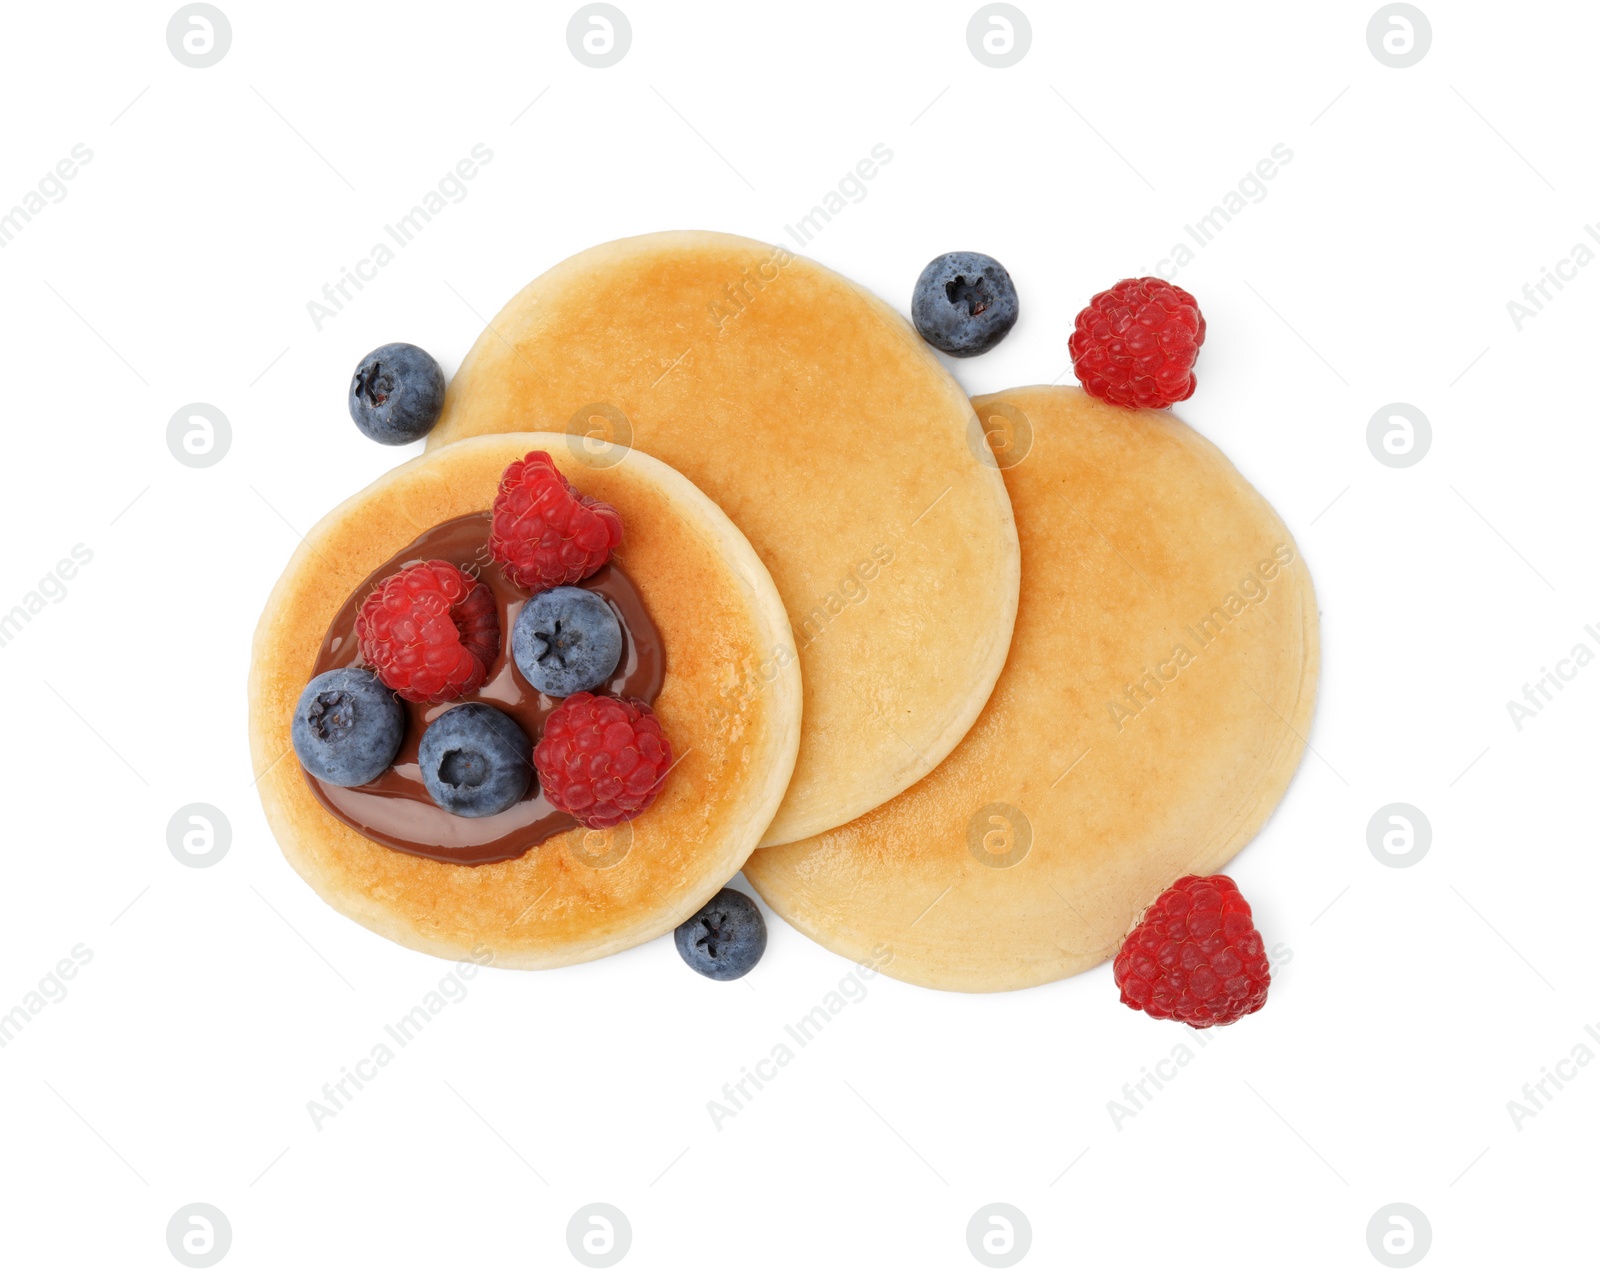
[[397, 394], [348, 727], [475, 761], [726, 939], [964, 303], [566, 640]]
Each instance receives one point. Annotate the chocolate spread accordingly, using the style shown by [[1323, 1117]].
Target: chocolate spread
[[396, 810]]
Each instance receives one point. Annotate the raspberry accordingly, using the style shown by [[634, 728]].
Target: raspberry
[[1135, 345], [601, 759], [543, 532], [430, 632], [1195, 956]]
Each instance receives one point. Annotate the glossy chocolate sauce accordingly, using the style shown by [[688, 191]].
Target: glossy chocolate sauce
[[396, 810]]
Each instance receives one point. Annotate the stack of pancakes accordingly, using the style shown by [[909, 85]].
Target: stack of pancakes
[[979, 678]]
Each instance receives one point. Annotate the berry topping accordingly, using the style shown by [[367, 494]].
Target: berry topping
[[1195, 956], [603, 760], [347, 727], [964, 303], [566, 640], [1135, 345], [475, 761], [396, 394], [725, 939], [545, 533], [430, 632]]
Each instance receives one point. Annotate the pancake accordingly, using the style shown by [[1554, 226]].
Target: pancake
[[824, 427], [1153, 707], [729, 702]]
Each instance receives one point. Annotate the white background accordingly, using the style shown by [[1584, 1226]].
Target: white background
[[218, 1001]]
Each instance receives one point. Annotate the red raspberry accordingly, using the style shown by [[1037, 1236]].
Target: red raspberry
[[430, 632], [1195, 956], [603, 760], [1135, 345], [545, 533]]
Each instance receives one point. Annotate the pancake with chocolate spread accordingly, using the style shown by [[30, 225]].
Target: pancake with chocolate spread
[[707, 642]]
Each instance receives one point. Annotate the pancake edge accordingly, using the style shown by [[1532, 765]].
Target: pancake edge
[[764, 608]]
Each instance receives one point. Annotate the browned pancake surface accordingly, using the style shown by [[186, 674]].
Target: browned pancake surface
[[825, 428], [730, 703], [1152, 710]]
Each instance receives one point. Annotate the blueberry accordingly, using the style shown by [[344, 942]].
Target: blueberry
[[566, 640], [725, 939], [348, 727], [964, 303], [475, 761], [397, 394]]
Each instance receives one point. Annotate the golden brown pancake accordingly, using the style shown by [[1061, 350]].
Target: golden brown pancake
[[1152, 709], [823, 426], [730, 704]]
